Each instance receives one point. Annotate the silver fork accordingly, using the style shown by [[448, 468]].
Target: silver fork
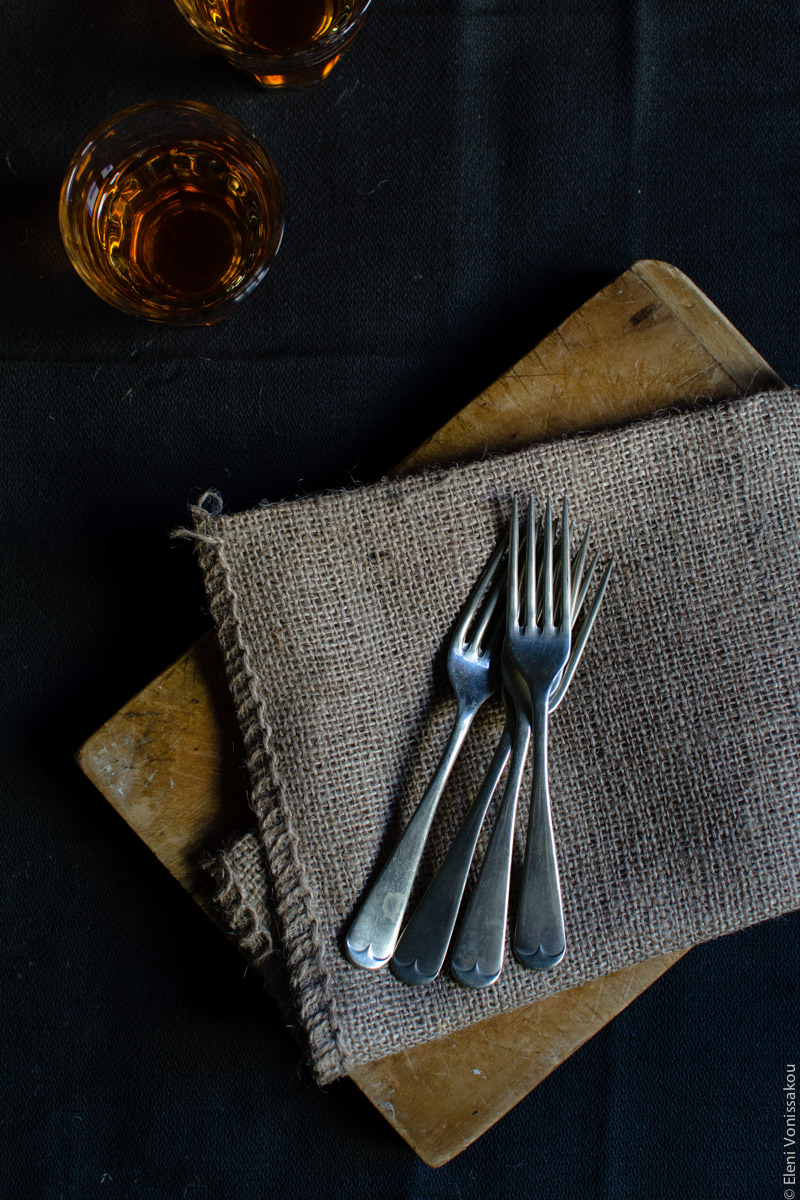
[[534, 660], [473, 670], [539, 654], [422, 949]]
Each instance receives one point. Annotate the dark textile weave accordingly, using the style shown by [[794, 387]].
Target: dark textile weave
[[469, 174]]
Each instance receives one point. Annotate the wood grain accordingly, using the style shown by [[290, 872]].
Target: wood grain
[[169, 761], [170, 764], [440, 1101], [649, 340]]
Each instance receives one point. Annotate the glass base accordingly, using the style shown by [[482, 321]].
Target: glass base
[[304, 69], [297, 77]]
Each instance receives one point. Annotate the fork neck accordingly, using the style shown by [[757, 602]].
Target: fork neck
[[465, 715], [539, 723]]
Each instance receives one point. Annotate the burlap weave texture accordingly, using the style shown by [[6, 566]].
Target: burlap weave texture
[[674, 764]]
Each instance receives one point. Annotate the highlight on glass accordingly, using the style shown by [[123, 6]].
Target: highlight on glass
[[279, 43], [172, 212]]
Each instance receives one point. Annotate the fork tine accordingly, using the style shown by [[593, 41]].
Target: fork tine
[[488, 615], [539, 581], [566, 563], [479, 593], [573, 533], [585, 583], [579, 643], [512, 590], [530, 566], [577, 571], [547, 620]]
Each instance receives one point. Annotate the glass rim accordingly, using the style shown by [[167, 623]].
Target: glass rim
[[308, 53], [166, 106]]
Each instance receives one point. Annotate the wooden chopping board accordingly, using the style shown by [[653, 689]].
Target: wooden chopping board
[[166, 761]]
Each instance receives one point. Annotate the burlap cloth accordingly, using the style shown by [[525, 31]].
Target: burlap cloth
[[674, 759]]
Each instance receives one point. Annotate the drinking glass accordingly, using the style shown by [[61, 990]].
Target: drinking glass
[[172, 212], [279, 43]]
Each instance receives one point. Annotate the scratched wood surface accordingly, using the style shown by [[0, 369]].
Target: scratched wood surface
[[169, 761]]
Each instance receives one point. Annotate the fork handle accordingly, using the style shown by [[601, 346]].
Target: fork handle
[[539, 938], [373, 935], [480, 944], [422, 949]]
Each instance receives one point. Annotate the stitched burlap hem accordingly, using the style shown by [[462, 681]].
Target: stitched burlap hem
[[675, 771]]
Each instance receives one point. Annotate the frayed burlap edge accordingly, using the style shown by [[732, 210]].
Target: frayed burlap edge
[[244, 924], [309, 983], [240, 918]]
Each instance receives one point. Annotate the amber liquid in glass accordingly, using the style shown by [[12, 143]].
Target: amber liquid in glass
[[281, 26], [278, 42], [179, 227]]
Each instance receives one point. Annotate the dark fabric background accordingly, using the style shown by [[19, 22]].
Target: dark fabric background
[[468, 175]]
